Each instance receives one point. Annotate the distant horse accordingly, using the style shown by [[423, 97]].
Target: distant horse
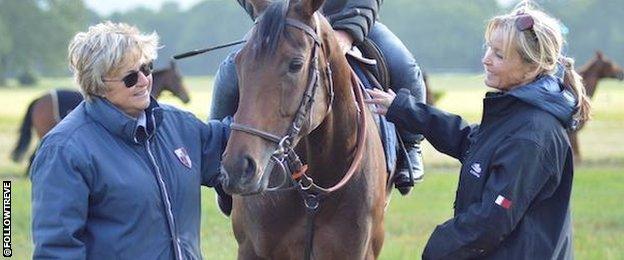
[[599, 67], [46, 111], [430, 96], [299, 97]]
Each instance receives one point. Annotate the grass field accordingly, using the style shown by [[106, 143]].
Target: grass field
[[598, 184]]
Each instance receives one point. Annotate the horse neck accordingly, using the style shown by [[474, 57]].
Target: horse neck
[[157, 84], [331, 146], [591, 75]]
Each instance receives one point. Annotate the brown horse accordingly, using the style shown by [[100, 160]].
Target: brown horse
[[298, 97], [43, 112], [593, 71]]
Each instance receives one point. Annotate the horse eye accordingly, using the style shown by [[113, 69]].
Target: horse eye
[[295, 66]]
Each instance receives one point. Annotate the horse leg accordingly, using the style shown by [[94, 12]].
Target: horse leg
[[573, 136], [377, 241]]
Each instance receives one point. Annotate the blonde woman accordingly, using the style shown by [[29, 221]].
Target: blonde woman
[[513, 199], [120, 176]]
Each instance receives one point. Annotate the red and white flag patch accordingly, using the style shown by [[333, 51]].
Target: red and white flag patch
[[183, 157], [503, 202]]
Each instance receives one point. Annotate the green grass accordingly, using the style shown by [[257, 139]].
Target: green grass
[[598, 185]]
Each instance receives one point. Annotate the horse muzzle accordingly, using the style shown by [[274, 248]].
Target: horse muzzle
[[243, 178]]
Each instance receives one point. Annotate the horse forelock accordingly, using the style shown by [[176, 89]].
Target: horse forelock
[[270, 28]]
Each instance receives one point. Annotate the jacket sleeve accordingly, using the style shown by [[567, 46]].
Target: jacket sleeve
[[356, 18], [214, 139], [448, 133], [518, 172], [60, 198]]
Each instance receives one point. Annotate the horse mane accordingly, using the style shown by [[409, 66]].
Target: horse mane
[[270, 27], [588, 65]]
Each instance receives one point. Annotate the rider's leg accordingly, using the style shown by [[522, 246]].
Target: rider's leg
[[225, 103], [404, 73], [225, 89]]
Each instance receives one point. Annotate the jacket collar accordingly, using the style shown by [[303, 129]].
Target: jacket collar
[[119, 123], [545, 93]]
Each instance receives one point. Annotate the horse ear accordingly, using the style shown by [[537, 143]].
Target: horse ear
[[307, 7], [254, 7], [599, 55]]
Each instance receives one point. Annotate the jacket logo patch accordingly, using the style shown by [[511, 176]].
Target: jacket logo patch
[[183, 157], [503, 202], [475, 169]]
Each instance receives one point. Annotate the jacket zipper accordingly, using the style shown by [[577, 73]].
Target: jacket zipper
[[176, 240]]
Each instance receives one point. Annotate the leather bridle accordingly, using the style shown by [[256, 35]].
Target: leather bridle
[[284, 155]]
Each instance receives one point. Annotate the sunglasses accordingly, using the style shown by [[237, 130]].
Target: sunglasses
[[131, 79]]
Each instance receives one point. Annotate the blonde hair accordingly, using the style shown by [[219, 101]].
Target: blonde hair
[[104, 49], [540, 46]]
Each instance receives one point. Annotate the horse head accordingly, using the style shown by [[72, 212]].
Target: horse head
[[170, 79], [608, 68], [285, 89]]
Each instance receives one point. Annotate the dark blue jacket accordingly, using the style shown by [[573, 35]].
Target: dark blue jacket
[[101, 189], [513, 196]]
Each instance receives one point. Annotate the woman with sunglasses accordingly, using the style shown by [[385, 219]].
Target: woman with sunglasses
[[513, 198], [120, 176]]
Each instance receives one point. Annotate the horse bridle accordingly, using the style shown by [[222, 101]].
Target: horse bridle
[[284, 156]]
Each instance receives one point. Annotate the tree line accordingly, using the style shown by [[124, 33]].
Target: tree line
[[444, 35]]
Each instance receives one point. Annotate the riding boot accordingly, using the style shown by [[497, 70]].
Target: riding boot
[[404, 180]]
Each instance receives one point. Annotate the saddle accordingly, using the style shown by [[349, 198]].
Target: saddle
[[63, 102], [370, 65], [368, 57]]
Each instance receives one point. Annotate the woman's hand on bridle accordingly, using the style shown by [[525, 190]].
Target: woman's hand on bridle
[[382, 99]]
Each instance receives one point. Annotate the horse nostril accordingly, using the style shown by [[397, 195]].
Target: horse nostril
[[249, 167]]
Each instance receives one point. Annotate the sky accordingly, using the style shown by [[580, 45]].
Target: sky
[[106, 7]]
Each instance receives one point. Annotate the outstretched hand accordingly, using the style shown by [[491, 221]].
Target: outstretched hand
[[382, 99]]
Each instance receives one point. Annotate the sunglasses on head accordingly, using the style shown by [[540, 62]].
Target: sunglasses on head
[[131, 79], [524, 22]]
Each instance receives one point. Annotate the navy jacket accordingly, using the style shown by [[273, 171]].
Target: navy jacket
[[513, 196], [102, 189], [353, 16]]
